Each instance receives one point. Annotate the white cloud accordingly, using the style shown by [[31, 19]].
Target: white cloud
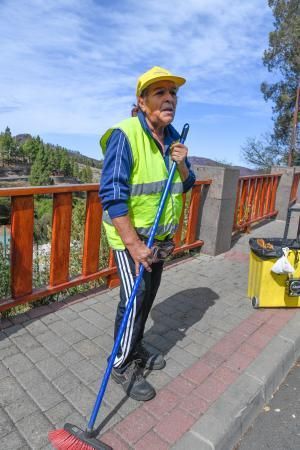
[[70, 66]]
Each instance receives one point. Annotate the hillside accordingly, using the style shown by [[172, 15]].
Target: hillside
[[77, 156], [198, 160]]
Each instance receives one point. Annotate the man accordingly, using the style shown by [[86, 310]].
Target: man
[[137, 153]]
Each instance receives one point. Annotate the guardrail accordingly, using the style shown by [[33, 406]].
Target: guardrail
[[22, 232], [294, 190], [255, 200]]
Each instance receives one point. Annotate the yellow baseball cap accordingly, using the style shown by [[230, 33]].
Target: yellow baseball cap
[[157, 74]]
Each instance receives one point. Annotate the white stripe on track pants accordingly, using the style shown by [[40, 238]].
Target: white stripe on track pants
[[141, 306]]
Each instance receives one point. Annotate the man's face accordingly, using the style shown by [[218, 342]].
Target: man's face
[[159, 103]]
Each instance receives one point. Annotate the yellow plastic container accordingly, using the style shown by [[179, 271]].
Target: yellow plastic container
[[267, 289]]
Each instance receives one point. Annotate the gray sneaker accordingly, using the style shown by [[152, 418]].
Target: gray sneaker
[[149, 360], [133, 382]]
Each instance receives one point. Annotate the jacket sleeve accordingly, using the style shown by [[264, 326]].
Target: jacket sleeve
[[190, 181], [114, 184]]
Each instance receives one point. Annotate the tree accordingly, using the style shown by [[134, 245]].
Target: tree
[[86, 174], [75, 169], [7, 147], [40, 173], [65, 165], [283, 58], [31, 148], [263, 153]]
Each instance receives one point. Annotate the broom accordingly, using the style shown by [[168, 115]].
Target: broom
[[71, 437]]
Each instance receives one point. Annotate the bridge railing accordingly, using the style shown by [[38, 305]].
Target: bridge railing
[[59, 279], [255, 200], [294, 190]]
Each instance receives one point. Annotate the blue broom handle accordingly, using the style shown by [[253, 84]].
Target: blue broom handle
[[133, 293]]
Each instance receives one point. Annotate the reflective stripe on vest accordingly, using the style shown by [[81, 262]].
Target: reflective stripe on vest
[[154, 188]]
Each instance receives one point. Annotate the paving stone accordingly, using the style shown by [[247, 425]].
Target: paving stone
[[38, 354], [67, 314], [35, 327], [59, 412], [74, 418], [163, 403], [10, 350], [210, 389], [135, 426], [50, 318], [103, 308], [96, 319], [10, 391], [25, 342], [70, 357], [21, 407], [105, 341], [30, 377], [59, 327], [174, 425], [197, 373], [151, 440], [158, 342], [35, 428], [182, 356], [196, 349], [194, 405], [82, 399], [107, 418], [215, 333], [53, 343], [13, 441], [173, 368], [178, 338], [158, 378], [3, 371], [6, 424], [67, 381], [114, 441], [85, 371], [127, 406], [17, 363], [181, 386], [86, 328], [51, 367], [41, 390], [80, 306], [87, 348]]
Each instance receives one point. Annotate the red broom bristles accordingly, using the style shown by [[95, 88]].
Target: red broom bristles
[[63, 440]]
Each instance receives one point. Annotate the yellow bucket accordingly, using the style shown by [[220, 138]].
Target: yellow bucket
[[267, 289]]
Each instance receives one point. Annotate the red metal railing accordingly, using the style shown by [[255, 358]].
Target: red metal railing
[[294, 190], [255, 201], [22, 228]]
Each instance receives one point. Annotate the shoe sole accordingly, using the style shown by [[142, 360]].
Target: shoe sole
[[150, 396]]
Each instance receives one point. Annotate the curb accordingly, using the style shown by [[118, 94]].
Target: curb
[[225, 422]]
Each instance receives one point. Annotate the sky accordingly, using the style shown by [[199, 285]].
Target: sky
[[69, 68]]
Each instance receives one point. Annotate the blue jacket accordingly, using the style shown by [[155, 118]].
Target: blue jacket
[[114, 187]]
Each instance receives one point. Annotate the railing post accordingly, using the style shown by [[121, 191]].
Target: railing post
[[216, 213], [283, 190]]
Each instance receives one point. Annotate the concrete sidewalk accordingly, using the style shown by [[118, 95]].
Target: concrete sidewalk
[[224, 361]]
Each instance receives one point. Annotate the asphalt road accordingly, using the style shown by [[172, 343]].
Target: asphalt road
[[278, 425]]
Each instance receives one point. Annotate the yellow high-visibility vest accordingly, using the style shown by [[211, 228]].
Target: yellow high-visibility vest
[[148, 178]]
